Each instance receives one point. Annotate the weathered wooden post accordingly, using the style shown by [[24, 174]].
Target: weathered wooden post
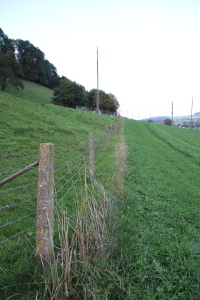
[[115, 128], [91, 153], [105, 139], [45, 202], [111, 131]]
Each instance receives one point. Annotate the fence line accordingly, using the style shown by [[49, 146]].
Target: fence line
[[65, 179]]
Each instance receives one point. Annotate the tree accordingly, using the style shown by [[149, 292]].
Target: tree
[[30, 58], [168, 122], [9, 68], [69, 94], [114, 104], [6, 44], [107, 101], [34, 66]]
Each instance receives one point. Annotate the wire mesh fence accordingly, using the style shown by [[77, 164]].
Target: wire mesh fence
[[18, 197]]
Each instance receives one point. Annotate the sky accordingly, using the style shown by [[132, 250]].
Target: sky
[[148, 50]]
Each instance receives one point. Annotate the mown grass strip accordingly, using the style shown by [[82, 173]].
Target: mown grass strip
[[160, 220]]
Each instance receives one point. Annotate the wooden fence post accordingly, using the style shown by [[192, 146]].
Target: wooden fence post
[[105, 139], [91, 153], [45, 202], [115, 128], [111, 131]]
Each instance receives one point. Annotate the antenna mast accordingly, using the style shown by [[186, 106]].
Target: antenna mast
[[191, 114], [97, 110]]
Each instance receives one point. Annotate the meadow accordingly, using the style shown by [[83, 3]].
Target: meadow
[[160, 219], [28, 119], [129, 232]]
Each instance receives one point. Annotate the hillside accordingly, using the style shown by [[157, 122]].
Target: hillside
[[128, 231], [28, 119], [26, 122]]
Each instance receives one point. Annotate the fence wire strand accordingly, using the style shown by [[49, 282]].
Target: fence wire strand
[[70, 178], [16, 235], [70, 186], [18, 154], [18, 219], [18, 187], [14, 204], [70, 161], [69, 152], [68, 144]]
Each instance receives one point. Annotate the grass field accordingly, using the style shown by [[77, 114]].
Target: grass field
[[26, 121], [160, 220], [132, 232]]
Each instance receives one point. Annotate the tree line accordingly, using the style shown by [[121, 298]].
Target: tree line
[[71, 94], [20, 60]]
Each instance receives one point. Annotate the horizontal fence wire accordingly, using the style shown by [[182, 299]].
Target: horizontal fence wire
[[68, 152], [18, 154], [74, 183], [72, 143], [71, 160], [20, 203], [28, 229], [17, 220], [70, 177], [18, 187]]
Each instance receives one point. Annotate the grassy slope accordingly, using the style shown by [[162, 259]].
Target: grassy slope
[[157, 255], [160, 219], [25, 123]]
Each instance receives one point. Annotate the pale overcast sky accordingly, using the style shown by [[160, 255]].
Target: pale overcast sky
[[149, 50]]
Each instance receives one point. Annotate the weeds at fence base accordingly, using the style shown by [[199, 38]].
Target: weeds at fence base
[[79, 268]]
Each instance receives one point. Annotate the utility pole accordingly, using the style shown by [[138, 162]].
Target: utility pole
[[97, 109], [172, 113], [191, 114]]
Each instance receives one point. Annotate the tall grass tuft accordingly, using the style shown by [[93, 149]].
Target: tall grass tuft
[[76, 270]]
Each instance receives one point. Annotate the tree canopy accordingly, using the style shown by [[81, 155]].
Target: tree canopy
[[69, 94], [8, 70], [9, 66], [168, 122], [6, 44], [34, 66], [107, 102]]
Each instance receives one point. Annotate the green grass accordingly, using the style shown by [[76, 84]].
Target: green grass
[[32, 92], [138, 241], [160, 220], [25, 123]]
